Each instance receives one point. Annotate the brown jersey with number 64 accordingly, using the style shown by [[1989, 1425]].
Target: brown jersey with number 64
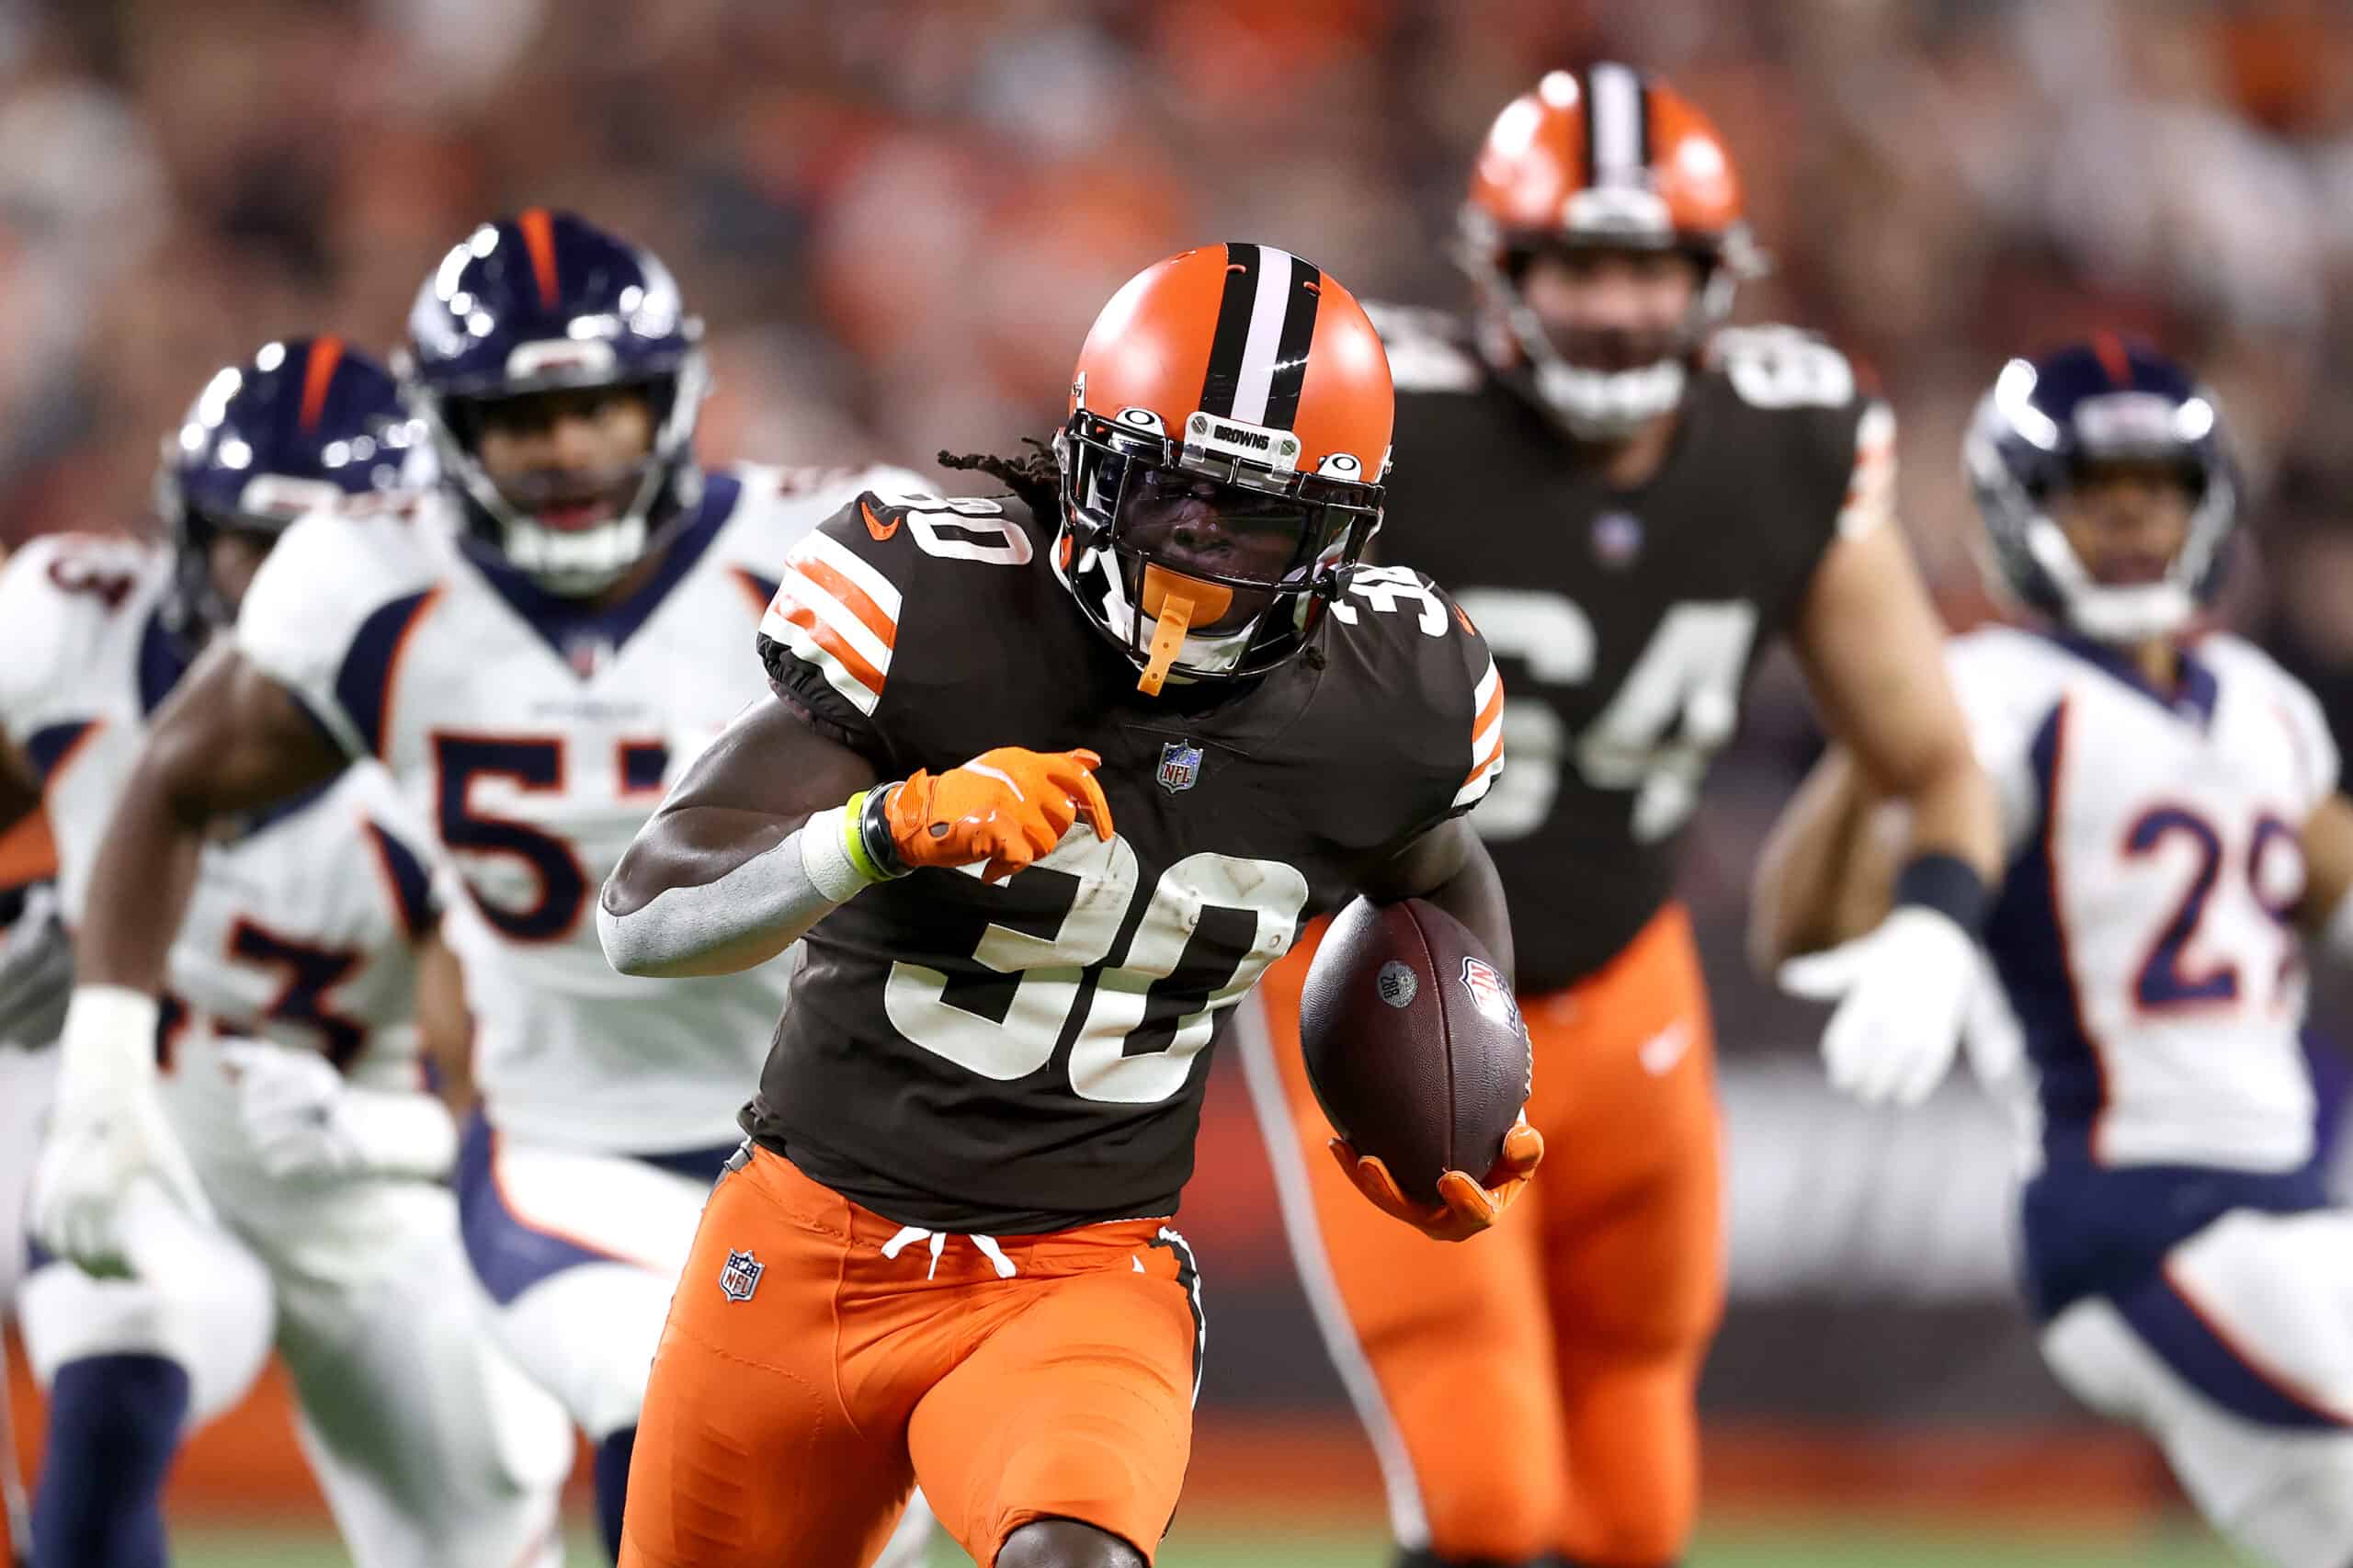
[[1626, 623], [1025, 1057]]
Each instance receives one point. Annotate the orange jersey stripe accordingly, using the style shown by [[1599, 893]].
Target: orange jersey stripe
[[832, 642], [539, 238], [1488, 714], [853, 599], [326, 353]]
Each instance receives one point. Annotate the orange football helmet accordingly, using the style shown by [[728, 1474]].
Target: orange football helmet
[[1607, 157], [1222, 461]]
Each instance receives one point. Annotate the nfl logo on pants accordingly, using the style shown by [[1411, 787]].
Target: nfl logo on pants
[[1180, 763], [740, 1276]]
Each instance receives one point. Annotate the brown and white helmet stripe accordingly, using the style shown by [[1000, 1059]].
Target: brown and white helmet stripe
[[1265, 319], [1616, 102]]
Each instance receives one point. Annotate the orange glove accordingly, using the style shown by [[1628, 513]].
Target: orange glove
[[1466, 1207], [1006, 807]]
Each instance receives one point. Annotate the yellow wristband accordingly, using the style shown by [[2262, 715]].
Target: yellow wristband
[[854, 840]]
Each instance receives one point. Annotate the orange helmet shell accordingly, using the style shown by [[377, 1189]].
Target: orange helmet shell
[[1227, 346], [1605, 155]]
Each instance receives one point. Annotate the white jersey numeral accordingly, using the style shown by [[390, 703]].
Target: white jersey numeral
[[980, 529], [1781, 368], [1677, 707], [1389, 588], [1103, 1065]]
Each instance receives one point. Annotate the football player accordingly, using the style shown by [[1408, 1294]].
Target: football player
[[532, 649], [1630, 503], [2175, 831], [290, 1122], [944, 1252]]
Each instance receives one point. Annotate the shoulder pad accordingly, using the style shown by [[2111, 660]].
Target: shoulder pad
[[335, 583], [60, 597], [1453, 675], [1776, 367], [1430, 351], [831, 631]]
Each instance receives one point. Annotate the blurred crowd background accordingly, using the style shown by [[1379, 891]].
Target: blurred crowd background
[[898, 216]]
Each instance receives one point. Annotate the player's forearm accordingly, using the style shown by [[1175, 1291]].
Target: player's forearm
[[1954, 811], [1451, 867], [710, 890], [1805, 868], [139, 885]]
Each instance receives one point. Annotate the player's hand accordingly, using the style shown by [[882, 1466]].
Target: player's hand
[[302, 1121], [1466, 1207], [107, 1133], [1904, 991], [1001, 810]]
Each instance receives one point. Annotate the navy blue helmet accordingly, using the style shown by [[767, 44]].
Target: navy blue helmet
[[536, 303], [2043, 421], [302, 424]]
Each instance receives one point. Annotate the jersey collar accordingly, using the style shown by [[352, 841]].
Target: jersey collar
[[2195, 700], [574, 630]]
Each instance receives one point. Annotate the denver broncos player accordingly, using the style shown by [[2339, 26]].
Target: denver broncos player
[[1630, 503], [2171, 808], [532, 651], [944, 1253], [290, 1122]]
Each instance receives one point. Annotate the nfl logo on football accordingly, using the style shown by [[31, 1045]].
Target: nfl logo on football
[[1180, 764], [1488, 992], [740, 1276]]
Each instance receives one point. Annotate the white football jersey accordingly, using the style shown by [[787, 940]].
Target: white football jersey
[[539, 734], [304, 922], [2142, 934]]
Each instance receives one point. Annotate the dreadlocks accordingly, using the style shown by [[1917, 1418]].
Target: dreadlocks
[[1034, 477]]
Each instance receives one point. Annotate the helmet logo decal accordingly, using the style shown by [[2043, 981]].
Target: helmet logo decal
[[1277, 449]]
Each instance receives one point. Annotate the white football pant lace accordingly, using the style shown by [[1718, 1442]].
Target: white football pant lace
[[939, 1239]]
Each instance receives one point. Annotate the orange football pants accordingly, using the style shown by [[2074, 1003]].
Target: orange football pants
[[1530, 1390], [788, 1418]]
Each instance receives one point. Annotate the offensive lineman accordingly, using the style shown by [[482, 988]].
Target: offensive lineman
[[2172, 815], [1630, 503], [943, 1253], [532, 651], [291, 1103]]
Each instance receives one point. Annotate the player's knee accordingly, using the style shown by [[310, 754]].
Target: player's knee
[[1065, 1543]]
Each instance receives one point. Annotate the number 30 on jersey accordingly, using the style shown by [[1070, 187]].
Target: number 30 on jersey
[[1140, 1022]]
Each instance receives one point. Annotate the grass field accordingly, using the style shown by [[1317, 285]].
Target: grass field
[[1755, 1546]]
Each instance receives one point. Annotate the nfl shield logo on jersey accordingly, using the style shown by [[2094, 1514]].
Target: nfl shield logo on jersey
[[740, 1276], [1617, 538], [1180, 764]]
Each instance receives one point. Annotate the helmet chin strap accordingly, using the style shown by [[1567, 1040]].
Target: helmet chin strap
[[1175, 601]]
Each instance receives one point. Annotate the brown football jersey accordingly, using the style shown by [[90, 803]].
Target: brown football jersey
[[1627, 622], [1030, 1056]]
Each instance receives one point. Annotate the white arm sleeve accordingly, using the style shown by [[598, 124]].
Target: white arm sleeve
[[773, 898]]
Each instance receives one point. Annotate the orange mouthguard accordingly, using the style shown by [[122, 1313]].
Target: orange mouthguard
[[1175, 601]]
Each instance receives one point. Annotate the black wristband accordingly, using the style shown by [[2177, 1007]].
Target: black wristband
[[1948, 884], [874, 832]]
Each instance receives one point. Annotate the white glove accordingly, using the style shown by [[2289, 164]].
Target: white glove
[[302, 1120], [107, 1132], [1904, 991]]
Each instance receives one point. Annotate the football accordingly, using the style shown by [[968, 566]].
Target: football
[[1413, 1041]]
